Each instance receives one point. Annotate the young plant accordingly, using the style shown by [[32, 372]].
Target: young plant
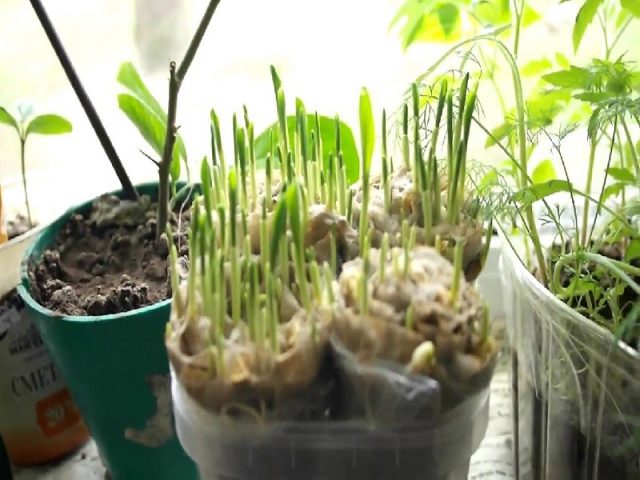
[[25, 125], [177, 74], [142, 109]]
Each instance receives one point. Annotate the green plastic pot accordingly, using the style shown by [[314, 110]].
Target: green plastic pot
[[109, 363]]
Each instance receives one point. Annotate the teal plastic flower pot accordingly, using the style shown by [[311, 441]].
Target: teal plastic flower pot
[[117, 369]]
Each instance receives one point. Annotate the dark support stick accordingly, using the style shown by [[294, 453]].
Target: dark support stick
[[127, 187], [175, 82]]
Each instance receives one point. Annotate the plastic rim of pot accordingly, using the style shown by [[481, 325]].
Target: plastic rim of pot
[[117, 369]]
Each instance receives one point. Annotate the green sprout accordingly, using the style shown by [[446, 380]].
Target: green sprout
[[458, 250], [367, 141], [298, 228]]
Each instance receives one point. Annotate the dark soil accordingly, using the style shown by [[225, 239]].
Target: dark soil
[[108, 260], [17, 226]]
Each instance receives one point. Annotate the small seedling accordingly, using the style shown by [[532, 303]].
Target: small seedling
[[25, 124]]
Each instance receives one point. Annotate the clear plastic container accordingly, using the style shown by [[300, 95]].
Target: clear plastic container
[[576, 391], [227, 450]]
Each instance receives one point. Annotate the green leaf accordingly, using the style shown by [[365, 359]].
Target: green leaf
[[562, 61], [612, 190], [129, 77], [575, 78], [531, 194], [594, 123], [328, 134], [275, 78], [583, 19], [592, 97], [49, 125], [490, 13], [437, 21], [544, 172], [413, 12], [7, 119], [152, 128], [367, 132], [182, 151], [632, 6], [174, 167], [621, 174], [530, 16], [449, 17], [623, 16], [535, 67], [488, 180], [633, 250], [543, 106], [498, 133]]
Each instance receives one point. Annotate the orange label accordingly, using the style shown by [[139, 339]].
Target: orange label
[[56, 413]]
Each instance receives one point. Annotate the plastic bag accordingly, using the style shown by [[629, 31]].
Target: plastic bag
[[384, 392], [340, 450]]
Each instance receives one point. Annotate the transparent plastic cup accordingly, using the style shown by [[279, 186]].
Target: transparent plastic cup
[[345, 450], [576, 390]]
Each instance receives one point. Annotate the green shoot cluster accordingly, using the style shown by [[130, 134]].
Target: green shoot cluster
[[248, 242]]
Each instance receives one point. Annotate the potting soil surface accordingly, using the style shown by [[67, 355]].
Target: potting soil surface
[[492, 460], [107, 262]]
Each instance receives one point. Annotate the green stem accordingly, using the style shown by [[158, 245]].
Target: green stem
[[23, 143], [605, 36], [494, 83], [167, 154], [518, 11], [620, 32], [585, 213]]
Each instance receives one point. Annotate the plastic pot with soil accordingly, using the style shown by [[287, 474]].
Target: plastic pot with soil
[[299, 351], [576, 397], [39, 420], [95, 284]]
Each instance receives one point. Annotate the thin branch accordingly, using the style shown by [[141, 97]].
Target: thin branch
[[619, 35], [175, 82], [197, 38], [606, 176], [149, 157]]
